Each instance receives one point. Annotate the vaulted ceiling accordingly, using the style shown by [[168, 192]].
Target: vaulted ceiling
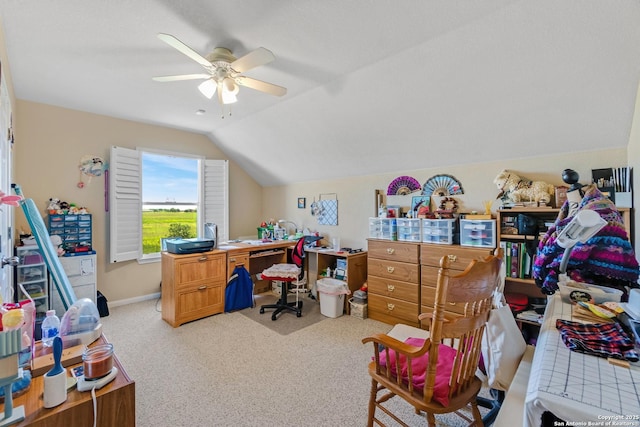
[[373, 86]]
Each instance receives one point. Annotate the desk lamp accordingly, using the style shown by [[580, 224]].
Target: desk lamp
[[584, 225], [284, 221]]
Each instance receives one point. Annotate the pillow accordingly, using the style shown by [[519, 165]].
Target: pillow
[[446, 356]]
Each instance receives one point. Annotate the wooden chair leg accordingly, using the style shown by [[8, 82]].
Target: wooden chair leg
[[372, 402], [477, 417], [431, 419]]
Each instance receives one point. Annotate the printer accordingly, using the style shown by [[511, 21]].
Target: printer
[[189, 246]]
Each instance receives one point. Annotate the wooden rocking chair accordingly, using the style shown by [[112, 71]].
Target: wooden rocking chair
[[435, 370]]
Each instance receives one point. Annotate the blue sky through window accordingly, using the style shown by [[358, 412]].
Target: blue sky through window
[[169, 179]]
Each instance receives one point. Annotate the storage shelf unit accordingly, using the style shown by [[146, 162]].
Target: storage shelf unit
[[32, 274], [81, 271], [519, 276], [74, 229]]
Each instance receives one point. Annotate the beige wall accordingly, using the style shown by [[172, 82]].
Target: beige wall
[[49, 142], [356, 202]]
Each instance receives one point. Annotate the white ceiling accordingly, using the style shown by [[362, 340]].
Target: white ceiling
[[380, 86]]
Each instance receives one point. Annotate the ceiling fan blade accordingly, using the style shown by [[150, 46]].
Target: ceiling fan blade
[[181, 77], [253, 59], [183, 48], [269, 88]]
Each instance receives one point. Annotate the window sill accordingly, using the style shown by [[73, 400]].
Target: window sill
[[150, 258]]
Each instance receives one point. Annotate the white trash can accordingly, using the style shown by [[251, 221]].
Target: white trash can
[[332, 294]]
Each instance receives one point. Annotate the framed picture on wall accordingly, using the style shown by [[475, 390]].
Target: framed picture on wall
[[302, 202], [420, 206]]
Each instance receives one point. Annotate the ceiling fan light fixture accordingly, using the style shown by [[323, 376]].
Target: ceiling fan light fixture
[[208, 88], [231, 86], [228, 97]]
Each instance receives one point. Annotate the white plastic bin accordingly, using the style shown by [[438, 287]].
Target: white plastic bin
[[332, 293]]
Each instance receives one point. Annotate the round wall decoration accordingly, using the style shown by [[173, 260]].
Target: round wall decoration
[[442, 185], [403, 185]]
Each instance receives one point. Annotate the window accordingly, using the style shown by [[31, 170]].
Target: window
[[169, 199], [133, 185]]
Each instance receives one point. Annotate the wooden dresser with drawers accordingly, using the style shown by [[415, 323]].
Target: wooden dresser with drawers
[[402, 277]]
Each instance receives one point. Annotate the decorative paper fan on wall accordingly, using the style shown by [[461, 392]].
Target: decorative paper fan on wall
[[442, 185], [402, 185], [90, 166]]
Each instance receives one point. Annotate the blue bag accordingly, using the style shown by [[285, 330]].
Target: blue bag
[[239, 292]]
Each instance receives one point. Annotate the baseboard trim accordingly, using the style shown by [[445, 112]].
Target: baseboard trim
[[134, 300]]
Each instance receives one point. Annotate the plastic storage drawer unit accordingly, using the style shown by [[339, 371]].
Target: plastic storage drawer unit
[[409, 229], [480, 233], [440, 231], [383, 228]]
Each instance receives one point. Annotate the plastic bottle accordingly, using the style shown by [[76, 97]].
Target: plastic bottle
[[50, 328]]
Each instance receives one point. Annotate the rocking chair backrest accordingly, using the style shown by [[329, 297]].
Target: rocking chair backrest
[[473, 290]]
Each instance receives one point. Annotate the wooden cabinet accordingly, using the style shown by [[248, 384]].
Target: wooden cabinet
[[394, 281], [402, 277], [236, 259], [193, 286]]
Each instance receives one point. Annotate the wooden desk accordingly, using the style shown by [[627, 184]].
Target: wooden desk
[[116, 403], [319, 259], [256, 257]]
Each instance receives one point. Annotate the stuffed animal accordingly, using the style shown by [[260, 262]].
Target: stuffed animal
[[54, 205], [517, 189]]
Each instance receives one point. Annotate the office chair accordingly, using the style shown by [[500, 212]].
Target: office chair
[[290, 275], [436, 370]]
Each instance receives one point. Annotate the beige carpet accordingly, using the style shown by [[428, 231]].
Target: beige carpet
[[287, 321], [228, 370]]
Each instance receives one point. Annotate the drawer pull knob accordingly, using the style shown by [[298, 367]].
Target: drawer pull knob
[[202, 288], [202, 258], [390, 306], [390, 269], [391, 288], [232, 260], [452, 258], [390, 251]]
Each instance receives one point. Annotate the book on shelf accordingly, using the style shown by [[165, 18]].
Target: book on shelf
[[517, 260]]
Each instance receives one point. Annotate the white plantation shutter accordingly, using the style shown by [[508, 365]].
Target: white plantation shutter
[[215, 197], [125, 205]]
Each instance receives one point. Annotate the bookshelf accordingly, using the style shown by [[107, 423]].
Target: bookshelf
[[518, 260], [520, 280]]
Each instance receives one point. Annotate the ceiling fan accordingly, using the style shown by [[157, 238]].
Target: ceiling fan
[[223, 71]]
